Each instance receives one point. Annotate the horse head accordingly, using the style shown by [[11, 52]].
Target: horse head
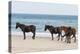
[[45, 28], [17, 25], [48, 27]]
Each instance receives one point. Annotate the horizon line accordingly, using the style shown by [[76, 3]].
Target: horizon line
[[44, 14]]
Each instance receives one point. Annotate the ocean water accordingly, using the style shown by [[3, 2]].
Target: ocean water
[[41, 20]]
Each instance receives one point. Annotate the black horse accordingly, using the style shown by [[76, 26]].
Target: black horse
[[53, 30], [26, 28]]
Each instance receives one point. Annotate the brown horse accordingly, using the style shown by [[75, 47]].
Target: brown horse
[[69, 31], [26, 28], [53, 30]]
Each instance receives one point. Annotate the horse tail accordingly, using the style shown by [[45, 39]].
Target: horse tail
[[74, 32]]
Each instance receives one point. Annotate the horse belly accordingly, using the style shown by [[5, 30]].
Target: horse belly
[[55, 33], [27, 30]]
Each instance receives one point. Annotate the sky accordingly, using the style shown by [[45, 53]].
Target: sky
[[44, 8]]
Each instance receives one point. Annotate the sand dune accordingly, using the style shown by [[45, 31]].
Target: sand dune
[[39, 44]]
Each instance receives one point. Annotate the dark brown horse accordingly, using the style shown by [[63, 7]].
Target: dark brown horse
[[53, 30], [69, 31], [68, 35], [26, 28]]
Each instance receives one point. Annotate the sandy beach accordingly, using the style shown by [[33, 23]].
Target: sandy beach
[[39, 44]]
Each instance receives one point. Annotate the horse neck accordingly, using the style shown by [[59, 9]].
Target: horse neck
[[50, 28], [21, 26], [65, 29]]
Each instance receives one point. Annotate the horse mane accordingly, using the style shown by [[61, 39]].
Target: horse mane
[[49, 25], [22, 24]]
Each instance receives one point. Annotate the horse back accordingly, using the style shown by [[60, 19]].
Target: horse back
[[56, 30], [30, 28]]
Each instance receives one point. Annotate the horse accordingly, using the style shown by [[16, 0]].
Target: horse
[[69, 31], [68, 35], [53, 30], [26, 28]]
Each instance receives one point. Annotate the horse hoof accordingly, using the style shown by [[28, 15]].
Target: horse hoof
[[52, 39], [24, 39], [69, 42], [33, 38], [58, 40]]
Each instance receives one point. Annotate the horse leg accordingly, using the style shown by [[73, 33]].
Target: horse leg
[[62, 38], [68, 39], [58, 37], [33, 37], [24, 35], [52, 36], [65, 38], [74, 37]]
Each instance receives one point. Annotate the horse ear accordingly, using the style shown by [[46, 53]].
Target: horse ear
[[17, 23], [69, 27]]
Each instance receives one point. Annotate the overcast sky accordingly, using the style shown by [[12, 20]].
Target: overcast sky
[[44, 8]]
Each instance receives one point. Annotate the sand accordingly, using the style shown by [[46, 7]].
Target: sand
[[39, 44]]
